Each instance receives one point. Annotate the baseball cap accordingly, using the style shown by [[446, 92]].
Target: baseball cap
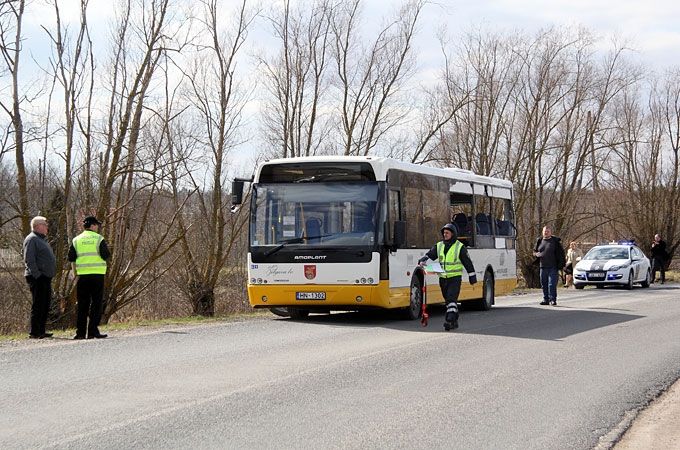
[[91, 220]]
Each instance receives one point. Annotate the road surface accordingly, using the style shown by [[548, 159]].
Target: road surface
[[521, 376]]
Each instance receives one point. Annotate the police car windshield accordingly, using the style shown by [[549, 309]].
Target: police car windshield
[[604, 253]]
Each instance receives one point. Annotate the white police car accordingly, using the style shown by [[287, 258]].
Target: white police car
[[620, 263]]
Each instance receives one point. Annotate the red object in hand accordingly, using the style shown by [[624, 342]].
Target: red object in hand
[[424, 316]]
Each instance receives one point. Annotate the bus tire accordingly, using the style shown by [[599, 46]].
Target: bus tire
[[297, 313], [281, 312], [488, 291], [415, 307]]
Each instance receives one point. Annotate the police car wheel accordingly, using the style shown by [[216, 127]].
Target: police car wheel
[[579, 286], [631, 279], [646, 282]]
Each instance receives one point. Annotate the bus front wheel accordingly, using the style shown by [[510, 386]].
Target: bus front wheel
[[415, 300], [297, 313]]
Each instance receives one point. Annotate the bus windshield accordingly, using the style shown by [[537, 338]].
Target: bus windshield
[[314, 214]]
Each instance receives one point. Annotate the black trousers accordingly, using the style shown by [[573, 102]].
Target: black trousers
[[90, 297], [658, 264], [41, 293], [450, 290]]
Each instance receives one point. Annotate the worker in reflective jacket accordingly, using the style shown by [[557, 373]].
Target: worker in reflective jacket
[[452, 256], [88, 253]]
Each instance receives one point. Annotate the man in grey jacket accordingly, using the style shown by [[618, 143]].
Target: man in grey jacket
[[41, 266]]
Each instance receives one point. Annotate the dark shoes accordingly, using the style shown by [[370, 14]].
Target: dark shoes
[[544, 302], [78, 337], [451, 325], [553, 303], [40, 336], [98, 336]]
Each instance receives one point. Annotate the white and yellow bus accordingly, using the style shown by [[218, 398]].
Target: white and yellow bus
[[345, 233]]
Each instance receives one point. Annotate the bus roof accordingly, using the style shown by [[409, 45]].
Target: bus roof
[[381, 165]]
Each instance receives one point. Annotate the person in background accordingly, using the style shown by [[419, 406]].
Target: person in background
[[88, 253], [550, 253], [659, 255], [41, 266], [452, 256], [574, 255]]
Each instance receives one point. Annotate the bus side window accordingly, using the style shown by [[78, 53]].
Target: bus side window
[[394, 211]]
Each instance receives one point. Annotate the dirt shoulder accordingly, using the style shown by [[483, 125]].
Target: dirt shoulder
[[657, 426]]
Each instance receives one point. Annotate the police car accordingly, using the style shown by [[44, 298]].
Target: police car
[[621, 263]]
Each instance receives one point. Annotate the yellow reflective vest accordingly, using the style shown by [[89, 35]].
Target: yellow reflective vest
[[450, 261], [88, 261]]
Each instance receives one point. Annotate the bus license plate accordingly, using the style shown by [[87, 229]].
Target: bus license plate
[[310, 296]]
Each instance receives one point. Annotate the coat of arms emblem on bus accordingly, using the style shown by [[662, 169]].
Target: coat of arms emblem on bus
[[310, 272]]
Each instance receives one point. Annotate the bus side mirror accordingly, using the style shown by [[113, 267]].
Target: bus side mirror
[[399, 239], [237, 192]]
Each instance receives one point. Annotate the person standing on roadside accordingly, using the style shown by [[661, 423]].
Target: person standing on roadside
[[550, 253], [453, 257], [574, 255], [41, 266], [659, 255], [88, 253]]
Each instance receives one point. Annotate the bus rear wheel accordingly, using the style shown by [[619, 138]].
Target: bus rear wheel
[[297, 313], [415, 305]]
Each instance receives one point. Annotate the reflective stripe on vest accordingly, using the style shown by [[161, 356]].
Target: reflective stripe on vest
[[450, 261], [88, 261]]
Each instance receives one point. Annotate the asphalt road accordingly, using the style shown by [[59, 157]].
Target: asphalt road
[[521, 376]]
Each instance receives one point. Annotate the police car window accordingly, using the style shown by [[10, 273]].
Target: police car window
[[620, 254]]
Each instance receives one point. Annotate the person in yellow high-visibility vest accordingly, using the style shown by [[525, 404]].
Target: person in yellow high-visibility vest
[[453, 257], [88, 254]]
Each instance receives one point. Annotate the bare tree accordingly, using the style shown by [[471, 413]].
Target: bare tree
[[11, 20], [369, 79], [131, 172], [218, 101], [645, 165], [69, 65], [297, 79]]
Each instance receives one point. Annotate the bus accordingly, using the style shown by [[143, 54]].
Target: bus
[[339, 233]]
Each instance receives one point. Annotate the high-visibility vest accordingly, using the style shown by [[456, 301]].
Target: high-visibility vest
[[450, 261], [88, 261]]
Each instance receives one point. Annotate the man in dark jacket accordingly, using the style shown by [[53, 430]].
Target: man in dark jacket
[[550, 254], [41, 266], [659, 255], [452, 256]]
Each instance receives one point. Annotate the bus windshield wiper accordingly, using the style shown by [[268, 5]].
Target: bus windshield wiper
[[296, 240], [321, 176]]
